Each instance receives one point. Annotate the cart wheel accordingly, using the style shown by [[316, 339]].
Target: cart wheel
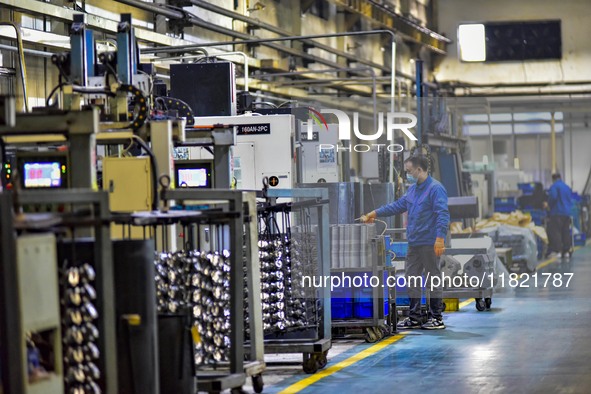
[[379, 332], [370, 335], [322, 359], [257, 383], [310, 365], [480, 304], [488, 302]]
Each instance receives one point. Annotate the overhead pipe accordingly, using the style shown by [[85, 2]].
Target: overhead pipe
[[347, 69], [274, 29], [179, 57], [32, 52], [293, 38], [247, 39]]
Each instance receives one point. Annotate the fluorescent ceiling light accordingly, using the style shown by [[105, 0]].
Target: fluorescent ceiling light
[[472, 43]]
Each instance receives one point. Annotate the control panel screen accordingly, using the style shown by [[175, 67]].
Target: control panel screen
[[43, 174], [193, 177]]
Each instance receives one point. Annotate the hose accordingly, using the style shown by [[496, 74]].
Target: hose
[[21, 55]]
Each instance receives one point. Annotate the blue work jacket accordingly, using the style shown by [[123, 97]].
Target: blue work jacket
[[559, 198], [428, 216]]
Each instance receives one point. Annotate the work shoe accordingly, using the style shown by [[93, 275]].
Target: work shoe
[[433, 324], [566, 256], [408, 324]]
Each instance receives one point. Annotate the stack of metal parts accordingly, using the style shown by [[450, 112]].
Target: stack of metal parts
[[199, 281], [171, 276], [351, 245], [284, 305], [80, 332]]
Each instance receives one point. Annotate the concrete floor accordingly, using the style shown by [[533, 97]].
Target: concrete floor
[[534, 340]]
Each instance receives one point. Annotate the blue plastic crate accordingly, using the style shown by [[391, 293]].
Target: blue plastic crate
[[363, 301], [505, 204], [402, 295], [364, 310], [575, 215], [576, 197], [399, 248], [345, 293], [341, 308], [580, 239], [527, 188]]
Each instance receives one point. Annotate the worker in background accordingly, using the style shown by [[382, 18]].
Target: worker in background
[[558, 228], [428, 222]]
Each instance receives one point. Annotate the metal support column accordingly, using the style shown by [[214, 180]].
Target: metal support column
[[82, 137], [223, 140], [12, 364], [419, 92], [236, 289], [105, 286], [126, 50], [162, 147], [78, 50], [553, 139], [253, 281]]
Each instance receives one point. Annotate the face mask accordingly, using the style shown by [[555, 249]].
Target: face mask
[[411, 179]]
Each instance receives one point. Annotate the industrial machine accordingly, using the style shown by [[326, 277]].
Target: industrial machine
[[263, 148], [319, 157]]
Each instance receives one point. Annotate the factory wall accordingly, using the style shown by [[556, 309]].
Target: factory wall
[[576, 48], [578, 160], [534, 153]]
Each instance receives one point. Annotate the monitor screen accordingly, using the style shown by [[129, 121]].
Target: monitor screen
[[193, 177], [193, 173], [43, 174]]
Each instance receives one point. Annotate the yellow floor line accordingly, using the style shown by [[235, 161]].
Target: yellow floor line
[[553, 259], [302, 384], [464, 303], [546, 263]]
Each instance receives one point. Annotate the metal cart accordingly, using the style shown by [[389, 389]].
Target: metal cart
[[224, 215], [314, 340], [379, 323], [482, 295], [85, 211]]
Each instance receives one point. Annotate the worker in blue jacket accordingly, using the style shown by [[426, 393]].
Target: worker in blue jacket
[[428, 222], [559, 220]]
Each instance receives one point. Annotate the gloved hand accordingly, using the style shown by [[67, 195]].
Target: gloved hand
[[368, 218], [439, 246]]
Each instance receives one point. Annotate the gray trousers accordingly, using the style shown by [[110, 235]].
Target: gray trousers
[[421, 260], [559, 234]]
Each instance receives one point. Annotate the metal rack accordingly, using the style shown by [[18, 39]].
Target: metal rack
[[380, 323], [92, 213], [223, 215], [314, 341]]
